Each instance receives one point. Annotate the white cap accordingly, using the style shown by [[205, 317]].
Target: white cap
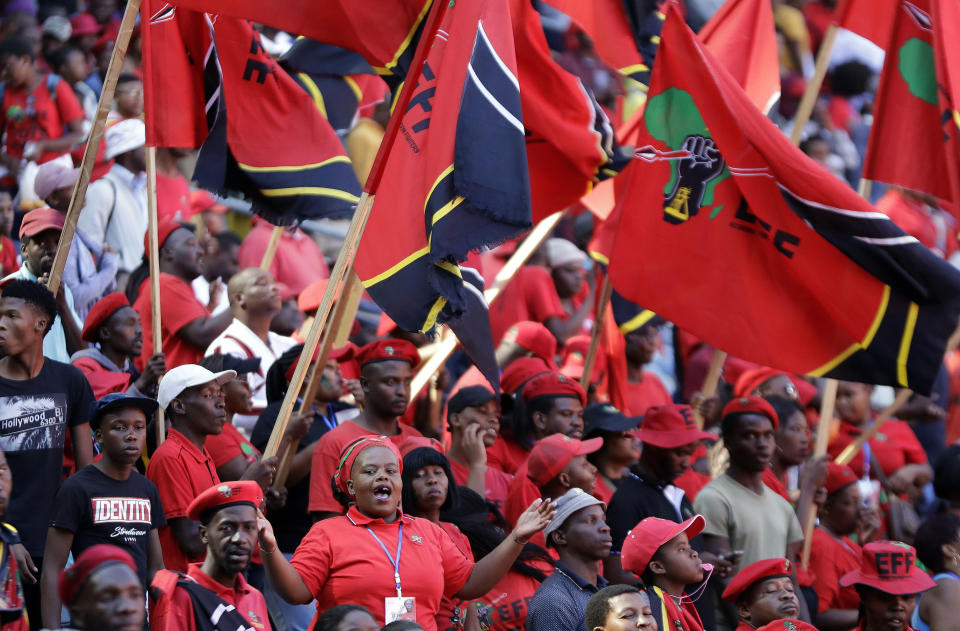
[[186, 376], [125, 136], [567, 504], [560, 252]]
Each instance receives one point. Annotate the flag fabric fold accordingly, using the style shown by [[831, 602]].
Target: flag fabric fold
[[946, 46], [780, 262]]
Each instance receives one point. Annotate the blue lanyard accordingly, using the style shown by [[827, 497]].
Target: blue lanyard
[[394, 562]]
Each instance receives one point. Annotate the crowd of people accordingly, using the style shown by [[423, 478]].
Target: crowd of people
[[145, 482]]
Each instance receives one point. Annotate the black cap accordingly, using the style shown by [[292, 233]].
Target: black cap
[[120, 401], [603, 417], [241, 365], [470, 397]]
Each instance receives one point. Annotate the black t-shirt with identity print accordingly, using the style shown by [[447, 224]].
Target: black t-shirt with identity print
[[99, 509], [34, 417]]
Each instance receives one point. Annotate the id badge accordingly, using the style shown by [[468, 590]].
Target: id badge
[[400, 608]]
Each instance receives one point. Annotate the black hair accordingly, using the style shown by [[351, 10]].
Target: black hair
[[226, 240], [598, 607], [219, 362], [136, 279], [932, 535], [807, 142], [331, 618], [784, 407], [402, 625], [126, 77], [521, 420], [415, 460], [36, 295], [17, 46], [648, 576], [60, 56], [276, 380], [850, 78], [946, 474]]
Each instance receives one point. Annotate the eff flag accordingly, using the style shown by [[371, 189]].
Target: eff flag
[[756, 249], [946, 46]]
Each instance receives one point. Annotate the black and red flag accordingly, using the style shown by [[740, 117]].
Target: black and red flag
[[755, 248]]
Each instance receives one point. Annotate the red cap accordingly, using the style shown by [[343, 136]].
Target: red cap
[[750, 380], [349, 455], [575, 356], [40, 219], [805, 390], [383, 350], [202, 201], [165, 227], [90, 560], [415, 442], [343, 354], [551, 454], [521, 371], [646, 538], [787, 624], [671, 426], [535, 338], [309, 299], [100, 313], [553, 384], [889, 566], [759, 571], [83, 24], [838, 476], [751, 405], [203, 506]]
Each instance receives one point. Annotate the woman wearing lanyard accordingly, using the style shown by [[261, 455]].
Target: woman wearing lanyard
[[378, 557]]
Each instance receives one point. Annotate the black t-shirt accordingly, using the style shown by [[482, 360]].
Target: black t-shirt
[[637, 498], [291, 523], [34, 416], [99, 509]]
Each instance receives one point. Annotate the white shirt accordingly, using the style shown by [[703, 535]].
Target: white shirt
[[201, 289]]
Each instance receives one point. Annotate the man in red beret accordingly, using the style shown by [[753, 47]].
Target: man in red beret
[[763, 592], [117, 334], [386, 369], [742, 513], [228, 516], [187, 328], [102, 591]]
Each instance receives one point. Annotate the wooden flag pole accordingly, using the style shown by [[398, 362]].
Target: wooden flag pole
[[820, 448], [853, 448], [864, 187], [153, 255], [271, 250], [810, 94], [606, 292], [351, 301], [449, 344], [93, 144]]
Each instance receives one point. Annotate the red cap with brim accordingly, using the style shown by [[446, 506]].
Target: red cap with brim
[[535, 338], [100, 313], [40, 219], [646, 538], [204, 506], [551, 454], [671, 426], [759, 571], [889, 566]]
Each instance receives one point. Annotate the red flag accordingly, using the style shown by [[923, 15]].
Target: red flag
[[907, 145], [736, 236], [741, 34], [946, 45], [868, 18]]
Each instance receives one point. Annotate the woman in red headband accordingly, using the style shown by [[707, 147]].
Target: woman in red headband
[[376, 556]]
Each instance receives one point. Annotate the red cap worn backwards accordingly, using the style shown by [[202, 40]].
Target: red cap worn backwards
[[889, 566], [553, 384], [646, 538], [384, 350], [839, 476], [218, 496], [72, 579], [671, 426], [535, 338], [100, 313], [753, 573], [751, 405], [551, 454]]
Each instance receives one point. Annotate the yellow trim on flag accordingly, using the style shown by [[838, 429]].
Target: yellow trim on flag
[[864, 343], [600, 258], [357, 92], [450, 267], [319, 191], [299, 167], [905, 341], [447, 208], [628, 70], [636, 321], [396, 268], [388, 68], [314, 91], [432, 315]]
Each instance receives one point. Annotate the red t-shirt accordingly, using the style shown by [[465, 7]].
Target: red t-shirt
[[894, 445], [247, 600], [181, 472], [506, 455], [340, 562], [531, 295], [178, 308], [297, 263], [229, 444], [173, 196], [520, 495], [496, 482], [37, 116], [326, 457], [831, 558], [447, 605], [509, 600], [8, 256], [646, 394]]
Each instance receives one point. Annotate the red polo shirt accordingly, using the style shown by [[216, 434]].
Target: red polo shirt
[[831, 558], [341, 562], [326, 457], [229, 444], [181, 472], [496, 482], [894, 444], [178, 308], [248, 602]]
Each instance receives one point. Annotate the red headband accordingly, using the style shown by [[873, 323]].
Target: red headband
[[349, 455]]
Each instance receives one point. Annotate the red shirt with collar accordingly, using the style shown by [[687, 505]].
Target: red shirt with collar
[[831, 558], [894, 445], [326, 457], [229, 444], [178, 308], [181, 472], [247, 600], [496, 482], [340, 562]]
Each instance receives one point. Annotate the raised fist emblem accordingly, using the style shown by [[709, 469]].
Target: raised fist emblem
[[702, 164]]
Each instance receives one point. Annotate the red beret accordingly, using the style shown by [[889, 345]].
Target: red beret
[[383, 350], [759, 571], [165, 227], [100, 313], [551, 454], [535, 338], [40, 219], [90, 560], [350, 453], [838, 477], [671, 426], [520, 371], [787, 624], [203, 506], [751, 405], [554, 384], [753, 379], [652, 532]]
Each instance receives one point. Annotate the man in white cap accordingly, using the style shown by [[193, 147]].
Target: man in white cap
[[91, 268], [116, 210], [566, 261], [181, 467]]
